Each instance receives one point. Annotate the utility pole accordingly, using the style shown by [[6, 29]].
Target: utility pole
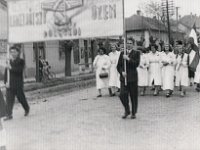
[[168, 9], [177, 20], [168, 23]]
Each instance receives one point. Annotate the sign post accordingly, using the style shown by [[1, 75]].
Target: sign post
[[124, 34], [8, 50]]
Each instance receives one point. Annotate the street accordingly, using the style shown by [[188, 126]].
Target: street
[[80, 121]]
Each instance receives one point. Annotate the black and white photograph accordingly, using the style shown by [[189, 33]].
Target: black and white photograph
[[99, 75]]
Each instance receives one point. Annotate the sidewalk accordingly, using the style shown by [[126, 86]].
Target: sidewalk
[[76, 79]]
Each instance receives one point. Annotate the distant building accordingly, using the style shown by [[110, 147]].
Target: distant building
[[138, 26], [186, 23]]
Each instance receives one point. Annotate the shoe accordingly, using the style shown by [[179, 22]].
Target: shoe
[[8, 118], [182, 94], [142, 94], [113, 94], [155, 93], [197, 89], [99, 95], [26, 113], [125, 115], [170, 92], [168, 95], [133, 116]]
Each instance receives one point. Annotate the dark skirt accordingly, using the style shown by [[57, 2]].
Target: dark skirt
[[2, 106], [191, 73]]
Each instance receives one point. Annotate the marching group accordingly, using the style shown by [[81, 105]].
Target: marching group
[[161, 68]]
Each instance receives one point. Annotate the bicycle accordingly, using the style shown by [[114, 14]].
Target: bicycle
[[47, 74]]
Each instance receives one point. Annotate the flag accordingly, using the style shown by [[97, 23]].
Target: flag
[[194, 53]]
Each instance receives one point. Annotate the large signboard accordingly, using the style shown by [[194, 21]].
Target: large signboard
[[42, 20]]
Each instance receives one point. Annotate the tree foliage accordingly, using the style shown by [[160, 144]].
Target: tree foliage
[[151, 8]]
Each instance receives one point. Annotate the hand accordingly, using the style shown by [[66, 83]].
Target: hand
[[7, 85], [141, 66], [124, 74], [165, 64], [125, 57]]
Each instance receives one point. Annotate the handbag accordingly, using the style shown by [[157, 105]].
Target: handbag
[[103, 74]]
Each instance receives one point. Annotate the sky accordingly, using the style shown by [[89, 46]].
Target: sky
[[186, 6]]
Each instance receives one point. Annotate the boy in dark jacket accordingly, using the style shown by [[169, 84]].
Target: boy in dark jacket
[[16, 86]]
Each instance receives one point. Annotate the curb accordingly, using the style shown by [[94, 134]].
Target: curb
[[66, 85], [58, 81]]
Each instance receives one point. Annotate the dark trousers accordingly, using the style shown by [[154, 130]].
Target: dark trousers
[[132, 90], [2, 106], [10, 99]]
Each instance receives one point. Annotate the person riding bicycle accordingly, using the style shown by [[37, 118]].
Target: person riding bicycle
[[46, 67]]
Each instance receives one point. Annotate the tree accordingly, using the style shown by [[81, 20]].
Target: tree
[[68, 45], [151, 8]]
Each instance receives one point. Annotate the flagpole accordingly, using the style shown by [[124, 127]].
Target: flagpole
[[124, 26], [8, 49]]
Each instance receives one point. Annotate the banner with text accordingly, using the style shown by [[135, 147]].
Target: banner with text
[[42, 20]]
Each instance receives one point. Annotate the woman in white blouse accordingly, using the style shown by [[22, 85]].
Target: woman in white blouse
[[168, 71], [182, 78], [143, 71], [114, 82], [102, 65], [154, 68]]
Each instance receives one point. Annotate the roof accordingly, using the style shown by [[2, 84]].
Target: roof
[[189, 20], [3, 2], [137, 22]]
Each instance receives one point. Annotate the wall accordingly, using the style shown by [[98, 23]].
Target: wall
[[30, 70], [52, 55]]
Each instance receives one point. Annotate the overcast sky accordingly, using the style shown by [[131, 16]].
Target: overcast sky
[[186, 6]]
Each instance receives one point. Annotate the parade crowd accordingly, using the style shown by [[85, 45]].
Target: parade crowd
[[159, 67]]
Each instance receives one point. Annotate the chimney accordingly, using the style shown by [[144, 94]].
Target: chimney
[[139, 12]]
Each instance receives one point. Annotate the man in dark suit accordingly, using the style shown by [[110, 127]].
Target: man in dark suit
[[132, 59], [16, 86]]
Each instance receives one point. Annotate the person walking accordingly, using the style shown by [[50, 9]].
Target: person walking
[[132, 59], [143, 71], [182, 78], [155, 76], [2, 130], [194, 61], [102, 64], [114, 83], [168, 70], [16, 86]]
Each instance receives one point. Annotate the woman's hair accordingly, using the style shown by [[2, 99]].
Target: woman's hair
[[167, 45], [153, 45], [114, 44], [142, 49], [15, 48], [103, 49]]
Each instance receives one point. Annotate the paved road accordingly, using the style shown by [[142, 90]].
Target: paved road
[[80, 121]]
